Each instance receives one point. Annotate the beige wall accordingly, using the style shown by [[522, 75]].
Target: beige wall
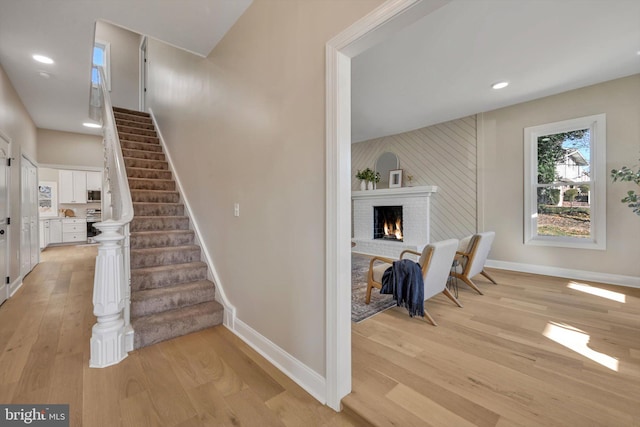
[[246, 125], [69, 149], [503, 176], [17, 125], [125, 48], [501, 196], [443, 155]]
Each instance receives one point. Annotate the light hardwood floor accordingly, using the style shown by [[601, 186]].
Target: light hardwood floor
[[209, 378], [487, 364], [532, 351]]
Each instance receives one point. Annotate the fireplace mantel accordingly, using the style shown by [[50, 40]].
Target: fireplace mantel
[[416, 218], [425, 190]]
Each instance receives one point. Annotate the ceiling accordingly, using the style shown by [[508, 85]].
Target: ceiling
[[64, 30], [442, 66]]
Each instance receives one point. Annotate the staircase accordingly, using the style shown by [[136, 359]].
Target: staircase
[[170, 293]]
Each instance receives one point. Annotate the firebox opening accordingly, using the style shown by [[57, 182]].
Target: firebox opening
[[387, 223]]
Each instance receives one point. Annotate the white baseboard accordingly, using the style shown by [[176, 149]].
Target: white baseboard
[[17, 284], [312, 382], [591, 276]]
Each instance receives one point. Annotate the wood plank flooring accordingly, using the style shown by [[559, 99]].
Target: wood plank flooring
[[210, 378], [532, 351]]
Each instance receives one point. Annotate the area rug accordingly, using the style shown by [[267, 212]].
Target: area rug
[[379, 302]]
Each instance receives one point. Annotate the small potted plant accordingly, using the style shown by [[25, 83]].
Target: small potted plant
[[367, 177]]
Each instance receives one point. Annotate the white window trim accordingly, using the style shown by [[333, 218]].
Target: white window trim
[[107, 60], [598, 174]]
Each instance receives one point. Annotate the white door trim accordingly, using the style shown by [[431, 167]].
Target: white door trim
[[374, 27], [6, 287], [142, 73]]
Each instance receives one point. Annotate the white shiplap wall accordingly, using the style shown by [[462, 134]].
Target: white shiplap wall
[[443, 155]]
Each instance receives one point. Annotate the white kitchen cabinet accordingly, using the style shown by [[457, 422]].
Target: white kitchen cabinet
[[55, 231], [74, 230], [73, 187], [44, 233], [50, 232], [94, 181]]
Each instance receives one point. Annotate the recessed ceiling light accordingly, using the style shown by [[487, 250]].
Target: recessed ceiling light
[[91, 125], [500, 85], [43, 59], [44, 74]]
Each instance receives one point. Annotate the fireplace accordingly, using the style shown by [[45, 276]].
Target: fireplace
[[387, 223]]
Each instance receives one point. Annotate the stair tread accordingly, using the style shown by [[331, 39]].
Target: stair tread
[[183, 312], [166, 325], [160, 217], [131, 112], [137, 296], [150, 232], [168, 248], [139, 190], [157, 268]]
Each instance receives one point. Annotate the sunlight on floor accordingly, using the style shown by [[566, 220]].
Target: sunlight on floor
[[615, 296], [577, 340]]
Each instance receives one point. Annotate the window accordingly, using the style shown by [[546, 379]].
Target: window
[[565, 183], [101, 57]]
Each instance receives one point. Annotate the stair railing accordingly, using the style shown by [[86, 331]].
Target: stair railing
[[112, 335]]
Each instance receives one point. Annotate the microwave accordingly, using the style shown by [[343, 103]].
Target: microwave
[[93, 196]]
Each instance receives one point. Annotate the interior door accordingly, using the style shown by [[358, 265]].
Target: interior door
[[29, 244], [4, 214]]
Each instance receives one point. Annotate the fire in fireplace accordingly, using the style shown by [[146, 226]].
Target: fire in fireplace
[[387, 223]]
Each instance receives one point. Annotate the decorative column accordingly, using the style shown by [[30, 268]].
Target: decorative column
[[109, 297]]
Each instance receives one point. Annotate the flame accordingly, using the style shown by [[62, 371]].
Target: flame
[[393, 229]]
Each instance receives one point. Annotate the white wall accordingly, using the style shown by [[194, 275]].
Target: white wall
[[443, 155], [125, 47], [503, 153], [246, 125], [501, 174], [16, 124], [69, 149]]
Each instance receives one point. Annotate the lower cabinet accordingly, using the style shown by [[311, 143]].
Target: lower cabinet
[[74, 230], [55, 231], [50, 232]]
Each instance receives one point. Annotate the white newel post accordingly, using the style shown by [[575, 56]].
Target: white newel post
[[109, 297]]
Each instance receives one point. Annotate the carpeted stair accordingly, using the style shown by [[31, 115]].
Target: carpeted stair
[[170, 293]]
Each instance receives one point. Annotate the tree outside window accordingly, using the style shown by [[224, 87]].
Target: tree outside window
[[564, 183]]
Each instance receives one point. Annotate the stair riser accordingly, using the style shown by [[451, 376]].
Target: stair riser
[[145, 164], [151, 184], [181, 326], [141, 258], [132, 145], [158, 224], [131, 118], [161, 240], [148, 173], [142, 280], [134, 124], [171, 302], [157, 209], [138, 138], [154, 197], [136, 131], [139, 154], [128, 111]]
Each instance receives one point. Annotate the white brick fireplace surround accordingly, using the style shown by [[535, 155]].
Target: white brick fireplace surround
[[415, 202]]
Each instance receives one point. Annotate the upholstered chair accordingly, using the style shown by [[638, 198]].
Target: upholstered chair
[[435, 262], [471, 256]]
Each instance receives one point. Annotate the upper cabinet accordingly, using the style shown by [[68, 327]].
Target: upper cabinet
[[94, 181], [73, 186]]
